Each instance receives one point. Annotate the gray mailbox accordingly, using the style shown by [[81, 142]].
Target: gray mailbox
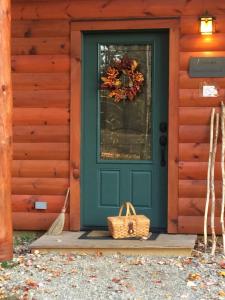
[[207, 67]]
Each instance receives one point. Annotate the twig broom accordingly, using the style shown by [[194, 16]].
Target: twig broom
[[57, 226]]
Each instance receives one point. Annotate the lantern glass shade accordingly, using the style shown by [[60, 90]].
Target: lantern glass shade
[[206, 25]]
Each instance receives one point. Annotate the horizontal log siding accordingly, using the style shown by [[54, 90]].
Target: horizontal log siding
[[194, 120], [41, 66], [41, 84]]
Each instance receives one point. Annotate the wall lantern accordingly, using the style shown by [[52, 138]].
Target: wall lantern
[[207, 24]]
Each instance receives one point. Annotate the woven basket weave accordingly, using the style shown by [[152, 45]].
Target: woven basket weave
[[130, 225]]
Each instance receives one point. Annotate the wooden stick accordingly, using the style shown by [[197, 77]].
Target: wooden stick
[[5, 131], [212, 185], [223, 174], [208, 176]]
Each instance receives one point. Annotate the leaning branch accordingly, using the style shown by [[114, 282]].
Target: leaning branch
[[223, 174], [208, 176], [212, 185]]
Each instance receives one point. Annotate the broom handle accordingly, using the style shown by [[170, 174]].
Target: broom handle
[[66, 200]]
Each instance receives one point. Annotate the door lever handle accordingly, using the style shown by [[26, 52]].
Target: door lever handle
[[163, 143], [163, 140], [163, 127], [163, 159]]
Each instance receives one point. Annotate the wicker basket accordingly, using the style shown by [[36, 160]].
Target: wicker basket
[[130, 225]]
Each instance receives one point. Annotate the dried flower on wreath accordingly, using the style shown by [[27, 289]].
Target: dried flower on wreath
[[123, 80]]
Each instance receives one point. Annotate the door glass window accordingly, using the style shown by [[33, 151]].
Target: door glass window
[[125, 127]]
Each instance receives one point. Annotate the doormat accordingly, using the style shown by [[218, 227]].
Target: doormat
[[104, 235]]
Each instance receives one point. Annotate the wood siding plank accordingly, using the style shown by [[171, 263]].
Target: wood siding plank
[[194, 224], [41, 151], [39, 186], [41, 134], [198, 42], [43, 98], [37, 46], [41, 63], [40, 168], [194, 134], [195, 115], [192, 98], [196, 152], [40, 81], [196, 188], [40, 28], [36, 220], [196, 207], [41, 116], [197, 170]]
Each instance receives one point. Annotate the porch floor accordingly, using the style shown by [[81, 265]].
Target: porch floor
[[69, 242]]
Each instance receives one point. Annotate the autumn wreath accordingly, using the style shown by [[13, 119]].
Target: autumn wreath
[[123, 80]]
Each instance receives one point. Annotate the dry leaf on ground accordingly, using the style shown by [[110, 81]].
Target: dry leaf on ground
[[194, 276]]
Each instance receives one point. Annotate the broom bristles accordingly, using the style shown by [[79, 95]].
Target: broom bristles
[[57, 226]]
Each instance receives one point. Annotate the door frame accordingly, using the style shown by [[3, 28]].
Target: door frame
[[172, 24]]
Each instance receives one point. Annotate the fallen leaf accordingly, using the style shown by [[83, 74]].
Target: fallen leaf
[[221, 273], [4, 278], [222, 264], [202, 285], [70, 258], [158, 281], [221, 293], [73, 271], [31, 283], [194, 276], [187, 261], [116, 280], [99, 253]]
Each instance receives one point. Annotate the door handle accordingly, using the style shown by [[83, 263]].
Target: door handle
[[163, 127], [163, 143], [163, 159], [163, 140]]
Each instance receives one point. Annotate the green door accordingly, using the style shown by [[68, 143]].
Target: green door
[[124, 144]]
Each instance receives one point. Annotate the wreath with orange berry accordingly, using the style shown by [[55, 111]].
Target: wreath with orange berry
[[123, 80]]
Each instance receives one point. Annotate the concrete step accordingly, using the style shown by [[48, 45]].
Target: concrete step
[[69, 242]]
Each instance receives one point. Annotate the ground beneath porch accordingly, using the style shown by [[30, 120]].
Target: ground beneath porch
[[70, 242], [67, 276]]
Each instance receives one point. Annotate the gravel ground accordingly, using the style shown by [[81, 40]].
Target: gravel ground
[[53, 276]]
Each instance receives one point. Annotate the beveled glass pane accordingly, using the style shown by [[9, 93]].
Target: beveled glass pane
[[125, 127]]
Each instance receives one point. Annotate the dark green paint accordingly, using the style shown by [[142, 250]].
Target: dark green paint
[[145, 180]]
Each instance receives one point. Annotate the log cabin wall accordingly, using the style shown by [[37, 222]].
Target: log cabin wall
[[194, 120], [41, 85], [41, 82]]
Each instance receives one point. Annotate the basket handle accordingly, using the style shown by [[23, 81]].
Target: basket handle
[[129, 207]]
